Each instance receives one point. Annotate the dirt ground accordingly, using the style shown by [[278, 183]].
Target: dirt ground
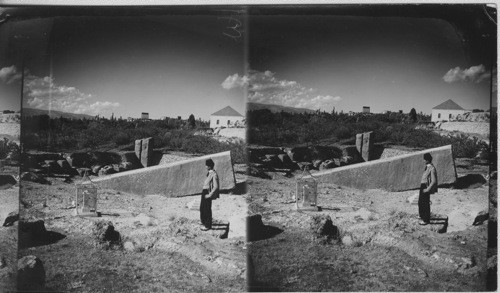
[[9, 202], [380, 246], [169, 252]]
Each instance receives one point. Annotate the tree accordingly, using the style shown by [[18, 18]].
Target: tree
[[413, 115], [191, 121]]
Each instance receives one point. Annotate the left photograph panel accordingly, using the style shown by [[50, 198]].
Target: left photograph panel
[[10, 134], [128, 165]]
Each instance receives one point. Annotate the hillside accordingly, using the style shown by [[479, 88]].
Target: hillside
[[277, 108], [54, 114]]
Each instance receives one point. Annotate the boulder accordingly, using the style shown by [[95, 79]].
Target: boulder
[[299, 154], [305, 165], [105, 158], [83, 171], [144, 220], [30, 176], [79, 160], [322, 227], [64, 165], [47, 156], [351, 151], [96, 169], [51, 166], [273, 161], [29, 162], [255, 227], [256, 172], [325, 152], [31, 233], [347, 240], [316, 163], [285, 160], [125, 166], [130, 157], [105, 234], [328, 164], [30, 274], [106, 170]]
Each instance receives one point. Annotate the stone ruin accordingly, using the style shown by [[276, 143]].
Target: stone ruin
[[317, 157], [39, 165], [364, 145], [144, 151]]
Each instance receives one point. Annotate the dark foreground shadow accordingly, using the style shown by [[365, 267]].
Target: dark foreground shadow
[[239, 188], [470, 181], [262, 232], [254, 285], [7, 181], [32, 234]]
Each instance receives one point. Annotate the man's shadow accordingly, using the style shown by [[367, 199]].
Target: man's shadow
[[221, 227], [440, 220]]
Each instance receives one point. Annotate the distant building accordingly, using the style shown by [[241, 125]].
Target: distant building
[[144, 115], [446, 111], [366, 109], [226, 117]]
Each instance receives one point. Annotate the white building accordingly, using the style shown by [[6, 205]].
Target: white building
[[227, 117], [446, 111]]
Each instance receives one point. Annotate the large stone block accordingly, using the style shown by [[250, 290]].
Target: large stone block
[[144, 151], [172, 179], [147, 151], [367, 147], [393, 174], [359, 142]]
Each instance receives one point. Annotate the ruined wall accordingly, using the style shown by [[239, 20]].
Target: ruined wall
[[482, 128], [393, 174], [172, 179], [233, 132]]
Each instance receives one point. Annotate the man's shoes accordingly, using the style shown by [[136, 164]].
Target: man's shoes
[[423, 223], [204, 228]]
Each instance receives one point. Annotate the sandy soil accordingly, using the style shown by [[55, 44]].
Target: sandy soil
[[169, 252], [380, 246]]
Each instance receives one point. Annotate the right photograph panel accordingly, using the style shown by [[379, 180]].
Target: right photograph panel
[[372, 148]]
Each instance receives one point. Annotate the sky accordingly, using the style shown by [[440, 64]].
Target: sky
[[347, 61], [171, 63], [163, 64]]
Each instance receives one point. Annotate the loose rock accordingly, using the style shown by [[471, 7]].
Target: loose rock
[[31, 273]]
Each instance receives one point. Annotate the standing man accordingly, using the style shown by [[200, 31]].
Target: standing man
[[428, 186], [209, 193]]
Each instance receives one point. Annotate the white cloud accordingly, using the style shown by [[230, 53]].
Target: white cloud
[[10, 74], [474, 74], [44, 93], [264, 87]]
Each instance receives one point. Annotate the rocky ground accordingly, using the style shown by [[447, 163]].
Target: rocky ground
[[162, 248], [9, 199], [378, 244]]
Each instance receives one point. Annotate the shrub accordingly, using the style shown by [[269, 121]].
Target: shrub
[[466, 147]]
